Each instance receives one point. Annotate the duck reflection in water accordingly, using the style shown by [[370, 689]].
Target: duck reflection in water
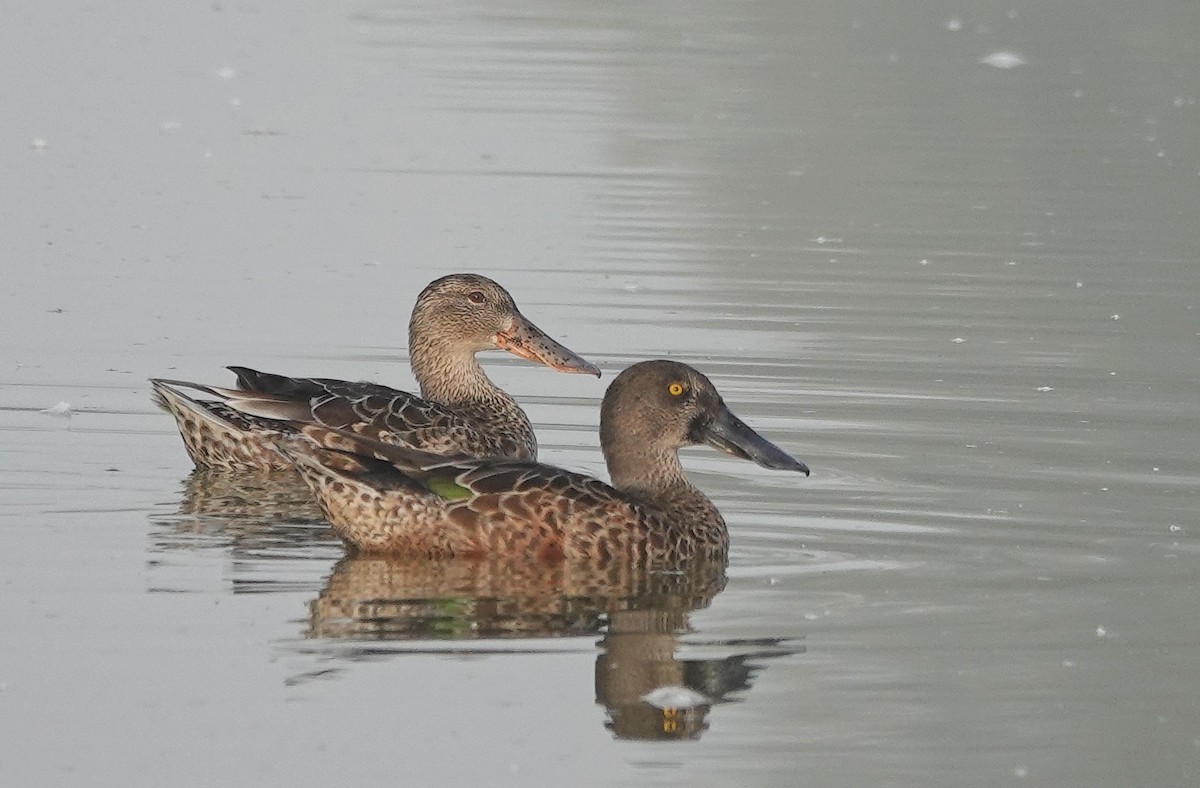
[[279, 497], [247, 511], [639, 612]]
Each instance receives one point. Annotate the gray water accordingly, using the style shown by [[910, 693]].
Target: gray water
[[965, 294]]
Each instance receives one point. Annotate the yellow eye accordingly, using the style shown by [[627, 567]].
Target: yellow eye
[[675, 389]]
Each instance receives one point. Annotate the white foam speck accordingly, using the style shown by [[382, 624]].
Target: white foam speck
[[1003, 59], [61, 409], [674, 696]]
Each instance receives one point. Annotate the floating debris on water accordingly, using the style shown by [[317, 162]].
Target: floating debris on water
[[263, 131], [674, 696], [1003, 59]]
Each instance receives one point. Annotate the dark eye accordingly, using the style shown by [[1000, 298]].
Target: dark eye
[[476, 297]]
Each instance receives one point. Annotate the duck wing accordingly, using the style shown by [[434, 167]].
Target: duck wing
[[370, 409]]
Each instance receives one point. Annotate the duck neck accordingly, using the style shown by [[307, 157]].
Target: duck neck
[[640, 466], [655, 477], [455, 378]]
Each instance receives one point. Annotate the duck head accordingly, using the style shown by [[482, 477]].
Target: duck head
[[654, 408], [467, 313]]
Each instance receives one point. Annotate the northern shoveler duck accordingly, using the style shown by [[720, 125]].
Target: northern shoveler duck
[[460, 411], [391, 499]]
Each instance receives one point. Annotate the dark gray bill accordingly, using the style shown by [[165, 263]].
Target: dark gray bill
[[526, 340], [727, 433]]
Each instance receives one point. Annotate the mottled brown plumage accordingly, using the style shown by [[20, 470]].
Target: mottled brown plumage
[[390, 499], [460, 411]]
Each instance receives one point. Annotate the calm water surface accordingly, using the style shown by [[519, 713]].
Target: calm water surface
[[968, 296]]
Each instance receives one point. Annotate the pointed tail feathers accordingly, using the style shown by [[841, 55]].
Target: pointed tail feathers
[[251, 403]]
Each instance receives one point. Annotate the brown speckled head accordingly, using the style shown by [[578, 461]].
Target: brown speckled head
[[462, 314]]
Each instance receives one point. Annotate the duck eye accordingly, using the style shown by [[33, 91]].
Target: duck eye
[[476, 297], [675, 389]]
